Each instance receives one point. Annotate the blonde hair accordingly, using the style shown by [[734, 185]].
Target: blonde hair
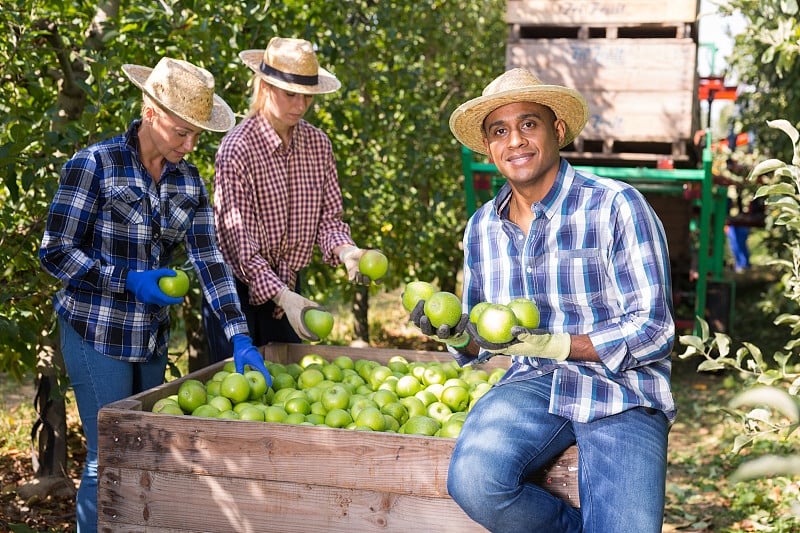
[[258, 99]]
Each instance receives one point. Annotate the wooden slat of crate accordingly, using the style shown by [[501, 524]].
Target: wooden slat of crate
[[165, 472], [599, 11], [634, 65], [249, 505], [647, 116]]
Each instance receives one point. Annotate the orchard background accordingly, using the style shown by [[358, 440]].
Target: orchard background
[[404, 67]]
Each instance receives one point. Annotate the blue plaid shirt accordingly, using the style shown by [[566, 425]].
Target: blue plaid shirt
[[107, 217], [595, 262]]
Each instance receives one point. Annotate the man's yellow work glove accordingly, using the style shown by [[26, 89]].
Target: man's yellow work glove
[[527, 343]]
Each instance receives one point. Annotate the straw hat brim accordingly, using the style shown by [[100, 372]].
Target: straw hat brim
[[466, 122], [222, 116], [326, 82]]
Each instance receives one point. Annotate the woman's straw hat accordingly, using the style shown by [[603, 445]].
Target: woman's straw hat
[[518, 85], [185, 90], [291, 65]]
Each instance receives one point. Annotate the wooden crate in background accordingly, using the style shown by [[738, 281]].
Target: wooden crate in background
[[561, 12], [173, 473], [634, 62]]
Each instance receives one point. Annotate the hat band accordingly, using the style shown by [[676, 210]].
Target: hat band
[[288, 77]]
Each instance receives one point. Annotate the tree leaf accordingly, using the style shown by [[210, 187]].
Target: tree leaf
[[764, 167], [773, 397], [767, 466]]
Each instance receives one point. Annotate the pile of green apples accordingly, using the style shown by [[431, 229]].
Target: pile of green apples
[[414, 398]]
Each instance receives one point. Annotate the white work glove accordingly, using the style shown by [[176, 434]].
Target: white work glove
[[295, 307], [350, 255], [527, 343]]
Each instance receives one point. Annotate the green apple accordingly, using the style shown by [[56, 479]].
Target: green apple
[[414, 406], [318, 321], [316, 419], [206, 411], [162, 402], [451, 428], [191, 395], [373, 264], [433, 374], [176, 286], [235, 387], [294, 418], [426, 397], [221, 403], [283, 381], [443, 308], [252, 413], [310, 377], [414, 292], [275, 413], [336, 397], [407, 385], [495, 322], [526, 312], [371, 417], [439, 411], [344, 362], [420, 425], [258, 384], [384, 396], [476, 311], [297, 405], [397, 411], [167, 406], [332, 372], [456, 398], [338, 418]]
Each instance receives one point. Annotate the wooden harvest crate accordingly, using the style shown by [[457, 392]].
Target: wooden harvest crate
[[638, 90], [600, 11], [639, 65], [173, 473]]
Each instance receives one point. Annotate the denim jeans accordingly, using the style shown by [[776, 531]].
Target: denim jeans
[[509, 434], [98, 380]]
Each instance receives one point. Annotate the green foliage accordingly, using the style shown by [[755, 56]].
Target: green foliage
[[768, 407], [764, 60], [404, 67]]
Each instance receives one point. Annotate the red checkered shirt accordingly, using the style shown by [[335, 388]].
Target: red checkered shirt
[[272, 203]]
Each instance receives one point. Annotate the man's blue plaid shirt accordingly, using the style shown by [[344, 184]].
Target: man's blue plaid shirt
[[107, 217], [595, 261]]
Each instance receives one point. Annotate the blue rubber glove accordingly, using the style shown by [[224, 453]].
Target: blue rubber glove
[[144, 285], [457, 336], [244, 353]]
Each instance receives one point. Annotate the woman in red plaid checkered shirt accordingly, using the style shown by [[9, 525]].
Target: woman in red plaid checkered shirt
[[277, 195]]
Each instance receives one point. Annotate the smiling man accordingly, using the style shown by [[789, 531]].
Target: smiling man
[[592, 255]]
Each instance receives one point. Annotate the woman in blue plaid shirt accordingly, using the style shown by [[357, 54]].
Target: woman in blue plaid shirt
[[122, 208]]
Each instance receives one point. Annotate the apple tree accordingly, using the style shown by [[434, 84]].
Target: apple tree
[[404, 65], [764, 59]]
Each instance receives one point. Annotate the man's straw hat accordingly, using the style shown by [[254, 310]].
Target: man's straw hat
[[291, 65], [185, 90], [518, 85]]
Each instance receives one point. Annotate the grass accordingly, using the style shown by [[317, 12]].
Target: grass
[[700, 498]]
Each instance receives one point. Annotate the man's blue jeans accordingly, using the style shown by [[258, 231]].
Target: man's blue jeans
[[509, 434], [98, 380]]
